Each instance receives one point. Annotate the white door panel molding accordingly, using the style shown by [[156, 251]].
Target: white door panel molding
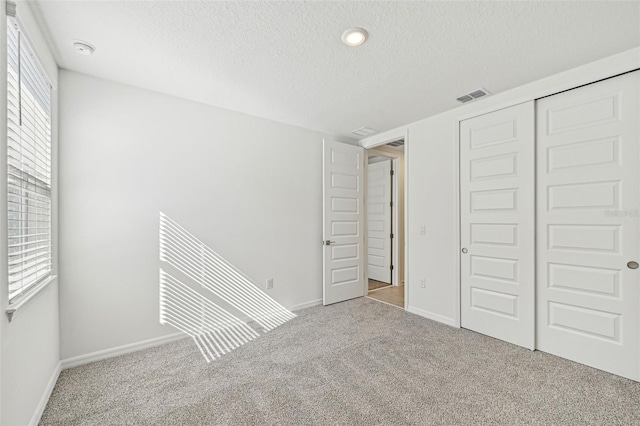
[[497, 224], [343, 217]]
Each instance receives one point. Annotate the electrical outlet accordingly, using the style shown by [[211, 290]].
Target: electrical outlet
[[423, 230], [423, 283], [269, 283]]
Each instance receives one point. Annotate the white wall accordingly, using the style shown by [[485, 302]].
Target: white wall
[[432, 157], [249, 188], [431, 193], [30, 351]]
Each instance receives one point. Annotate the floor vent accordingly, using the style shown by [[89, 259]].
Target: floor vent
[[473, 95], [365, 131]]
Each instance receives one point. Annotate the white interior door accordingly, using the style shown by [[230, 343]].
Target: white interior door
[[588, 299], [497, 224], [343, 221], [379, 221]]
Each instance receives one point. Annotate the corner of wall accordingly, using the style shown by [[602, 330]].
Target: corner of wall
[[42, 404]]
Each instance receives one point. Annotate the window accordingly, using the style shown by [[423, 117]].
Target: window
[[28, 165]]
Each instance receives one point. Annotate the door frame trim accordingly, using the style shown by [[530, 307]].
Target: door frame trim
[[377, 141], [593, 75]]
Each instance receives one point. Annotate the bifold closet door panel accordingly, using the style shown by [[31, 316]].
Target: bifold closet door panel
[[588, 186], [497, 158]]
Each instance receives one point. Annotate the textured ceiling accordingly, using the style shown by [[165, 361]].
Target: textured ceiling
[[285, 60]]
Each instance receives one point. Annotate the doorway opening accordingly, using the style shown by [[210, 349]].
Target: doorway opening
[[385, 218]]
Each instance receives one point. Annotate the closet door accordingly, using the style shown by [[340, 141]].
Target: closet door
[[497, 224], [588, 294]]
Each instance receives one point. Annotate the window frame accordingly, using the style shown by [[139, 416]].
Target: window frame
[[38, 71]]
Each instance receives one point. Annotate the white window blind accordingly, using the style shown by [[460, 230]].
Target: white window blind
[[28, 165]]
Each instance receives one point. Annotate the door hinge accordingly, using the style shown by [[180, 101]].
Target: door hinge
[[391, 204], [392, 172], [392, 267], [391, 236]]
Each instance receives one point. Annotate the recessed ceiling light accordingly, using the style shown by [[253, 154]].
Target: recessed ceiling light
[[354, 36], [83, 48]]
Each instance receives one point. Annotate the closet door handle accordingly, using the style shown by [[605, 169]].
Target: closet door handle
[[632, 265], [464, 250]]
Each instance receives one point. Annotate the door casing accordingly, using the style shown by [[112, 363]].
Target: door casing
[[371, 148]]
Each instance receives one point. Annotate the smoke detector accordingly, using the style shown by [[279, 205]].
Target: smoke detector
[[83, 48], [473, 95]]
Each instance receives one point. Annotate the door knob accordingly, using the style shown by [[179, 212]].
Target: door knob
[[632, 265], [464, 250], [329, 242]]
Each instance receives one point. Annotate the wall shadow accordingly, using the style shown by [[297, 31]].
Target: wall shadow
[[214, 330]]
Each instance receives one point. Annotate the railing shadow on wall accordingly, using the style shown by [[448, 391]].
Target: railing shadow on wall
[[214, 330]]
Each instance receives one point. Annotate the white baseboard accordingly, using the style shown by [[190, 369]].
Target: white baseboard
[[120, 350], [134, 347], [306, 305], [430, 315], [35, 419]]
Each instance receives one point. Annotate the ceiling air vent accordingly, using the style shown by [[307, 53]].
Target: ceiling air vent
[[473, 95], [365, 131], [465, 98], [396, 143]]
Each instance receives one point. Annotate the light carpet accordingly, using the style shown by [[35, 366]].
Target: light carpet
[[354, 363]]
